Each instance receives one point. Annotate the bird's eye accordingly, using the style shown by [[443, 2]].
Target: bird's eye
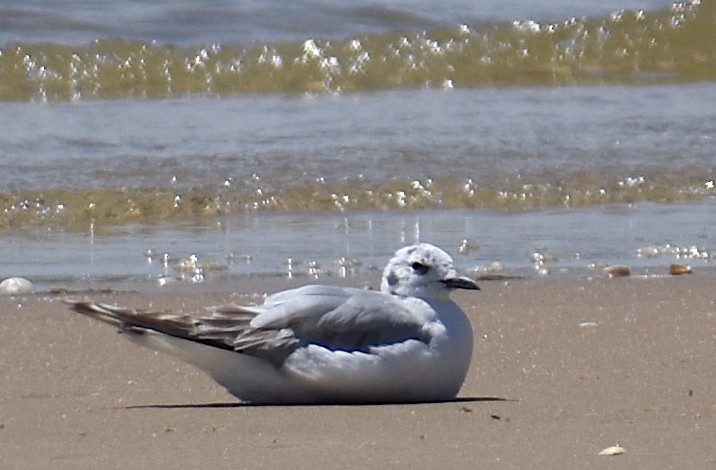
[[420, 268]]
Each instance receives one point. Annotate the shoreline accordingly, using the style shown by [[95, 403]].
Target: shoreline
[[233, 251], [561, 370]]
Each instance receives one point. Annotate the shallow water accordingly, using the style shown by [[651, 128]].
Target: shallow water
[[520, 127], [141, 161], [330, 247]]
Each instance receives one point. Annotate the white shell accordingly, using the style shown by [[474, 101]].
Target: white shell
[[15, 285], [613, 450]]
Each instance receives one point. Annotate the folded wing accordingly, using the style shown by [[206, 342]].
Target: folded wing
[[333, 317]]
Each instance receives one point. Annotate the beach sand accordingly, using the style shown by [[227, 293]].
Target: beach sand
[[562, 369]]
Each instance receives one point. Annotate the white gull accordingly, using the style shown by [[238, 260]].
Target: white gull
[[325, 344]]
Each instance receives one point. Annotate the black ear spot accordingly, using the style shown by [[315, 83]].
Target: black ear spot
[[392, 279], [420, 268]]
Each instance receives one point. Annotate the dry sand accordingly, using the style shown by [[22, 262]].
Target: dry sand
[[561, 370]]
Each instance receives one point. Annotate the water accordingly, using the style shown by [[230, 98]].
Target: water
[[665, 44], [510, 148], [195, 22], [354, 247], [574, 129]]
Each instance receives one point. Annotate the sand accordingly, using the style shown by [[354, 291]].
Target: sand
[[562, 369]]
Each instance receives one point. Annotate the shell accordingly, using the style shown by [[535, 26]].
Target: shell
[[679, 269], [613, 450], [15, 285]]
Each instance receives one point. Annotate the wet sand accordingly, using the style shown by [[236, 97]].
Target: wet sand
[[561, 370]]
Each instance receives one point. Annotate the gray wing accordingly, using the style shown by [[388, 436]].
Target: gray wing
[[339, 318], [333, 317]]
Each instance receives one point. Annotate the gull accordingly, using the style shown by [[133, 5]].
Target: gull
[[322, 344]]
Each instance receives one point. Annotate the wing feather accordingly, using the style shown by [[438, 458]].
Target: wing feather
[[333, 317]]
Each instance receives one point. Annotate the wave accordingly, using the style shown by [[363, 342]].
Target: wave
[[78, 209], [673, 45]]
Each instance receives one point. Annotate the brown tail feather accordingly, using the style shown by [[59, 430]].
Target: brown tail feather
[[127, 319], [226, 327]]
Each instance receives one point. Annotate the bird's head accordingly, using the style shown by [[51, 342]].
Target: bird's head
[[423, 270]]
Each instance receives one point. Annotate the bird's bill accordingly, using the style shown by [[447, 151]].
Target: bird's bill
[[461, 283]]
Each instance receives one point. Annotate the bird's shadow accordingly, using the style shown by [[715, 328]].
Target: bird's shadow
[[257, 405]]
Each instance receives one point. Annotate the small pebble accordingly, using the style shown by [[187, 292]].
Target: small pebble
[[617, 271]]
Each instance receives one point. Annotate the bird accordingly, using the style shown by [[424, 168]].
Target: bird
[[320, 344]]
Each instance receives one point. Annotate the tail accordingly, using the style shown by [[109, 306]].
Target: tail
[[135, 320], [161, 331], [227, 327], [248, 377]]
